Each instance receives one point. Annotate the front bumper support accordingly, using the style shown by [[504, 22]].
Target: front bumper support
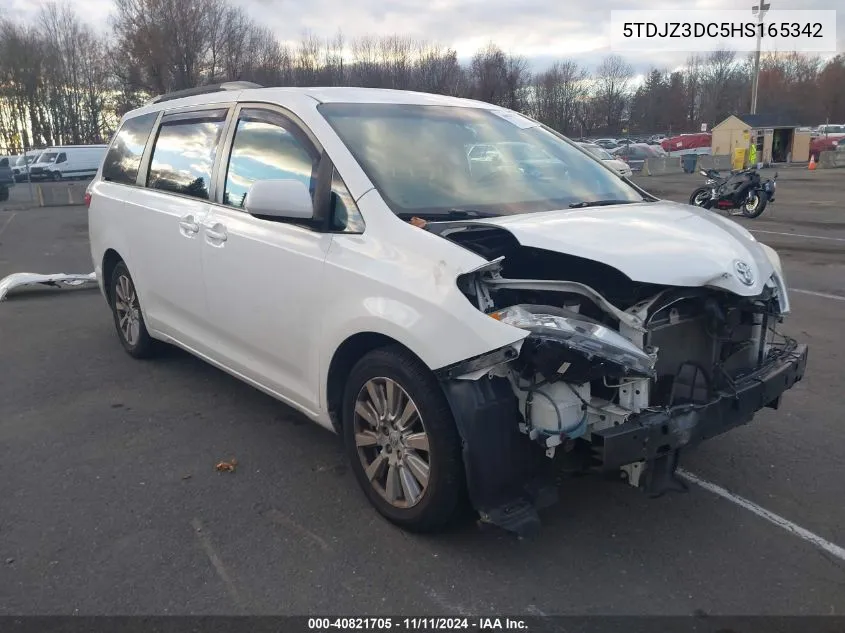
[[651, 436]]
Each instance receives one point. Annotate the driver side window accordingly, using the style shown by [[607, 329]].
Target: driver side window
[[265, 147], [62, 158]]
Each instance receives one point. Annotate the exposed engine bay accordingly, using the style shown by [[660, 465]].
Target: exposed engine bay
[[606, 354]]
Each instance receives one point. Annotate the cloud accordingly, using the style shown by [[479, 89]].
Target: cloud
[[540, 30]]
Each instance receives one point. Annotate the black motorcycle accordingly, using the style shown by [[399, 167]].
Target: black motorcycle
[[742, 192]]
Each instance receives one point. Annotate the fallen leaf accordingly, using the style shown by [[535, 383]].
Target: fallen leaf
[[227, 467], [186, 476]]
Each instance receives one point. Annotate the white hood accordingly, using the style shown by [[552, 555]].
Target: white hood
[[619, 166], [658, 242]]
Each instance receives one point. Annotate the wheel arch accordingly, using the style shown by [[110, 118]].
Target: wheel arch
[[111, 258], [349, 352]]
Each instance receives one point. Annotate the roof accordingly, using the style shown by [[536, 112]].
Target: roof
[[335, 94], [776, 119]]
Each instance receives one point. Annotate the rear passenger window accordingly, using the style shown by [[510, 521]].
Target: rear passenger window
[[183, 155], [266, 148], [124, 156]]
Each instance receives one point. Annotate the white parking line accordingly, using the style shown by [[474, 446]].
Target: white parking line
[[823, 295], [216, 562], [771, 517], [812, 237]]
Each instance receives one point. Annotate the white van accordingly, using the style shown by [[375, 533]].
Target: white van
[[67, 162], [334, 248]]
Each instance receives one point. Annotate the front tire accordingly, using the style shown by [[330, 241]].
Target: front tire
[[701, 198], [56, 176], [128, 317], [4, 194], [402, 441], [755, 207]]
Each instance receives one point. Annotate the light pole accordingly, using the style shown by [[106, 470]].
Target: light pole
[[760, 11]]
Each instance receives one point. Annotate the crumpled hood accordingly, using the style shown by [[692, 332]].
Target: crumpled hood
[[656, 242]]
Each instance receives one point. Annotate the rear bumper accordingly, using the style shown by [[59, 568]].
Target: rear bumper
[[654, 435]]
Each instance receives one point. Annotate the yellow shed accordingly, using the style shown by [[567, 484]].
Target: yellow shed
[[778, 139]]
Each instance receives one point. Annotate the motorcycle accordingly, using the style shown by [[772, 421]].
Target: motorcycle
[[742, 192]]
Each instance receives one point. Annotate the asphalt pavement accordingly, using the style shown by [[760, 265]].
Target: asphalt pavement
[[111, 503]]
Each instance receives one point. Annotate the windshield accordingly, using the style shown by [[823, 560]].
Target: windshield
[[48, 157], [440, 159], [24, 160], [598, 152]]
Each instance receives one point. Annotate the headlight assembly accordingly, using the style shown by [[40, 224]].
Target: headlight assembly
[[580, 334]]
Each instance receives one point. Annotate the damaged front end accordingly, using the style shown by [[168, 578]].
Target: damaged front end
[[618, 380]]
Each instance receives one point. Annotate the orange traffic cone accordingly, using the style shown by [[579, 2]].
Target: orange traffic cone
[[812, 164]]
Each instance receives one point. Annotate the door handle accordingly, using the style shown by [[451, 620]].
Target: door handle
[[216, 233], [188, 224]]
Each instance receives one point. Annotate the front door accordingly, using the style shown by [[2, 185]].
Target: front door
[[263, 277]]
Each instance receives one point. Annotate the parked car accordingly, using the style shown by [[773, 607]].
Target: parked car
[[824, 130], [488, 160], [607, 143], [7, 178], [620, 167], [20, 168], [68, 162], [828, 143], [635, 154], [693, 143], [331, 247]]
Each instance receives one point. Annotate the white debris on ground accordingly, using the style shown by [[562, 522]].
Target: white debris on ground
[[18, 280]]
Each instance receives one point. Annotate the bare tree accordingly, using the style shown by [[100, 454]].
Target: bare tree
[[613, 79], [555, 94]]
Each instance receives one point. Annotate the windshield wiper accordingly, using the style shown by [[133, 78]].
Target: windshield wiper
[[449, 214], [601, 203]]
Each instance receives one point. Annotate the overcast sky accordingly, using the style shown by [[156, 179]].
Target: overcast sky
[[541, 30]]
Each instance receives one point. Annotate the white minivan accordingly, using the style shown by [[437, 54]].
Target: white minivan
[[467, 331], [68, 162]]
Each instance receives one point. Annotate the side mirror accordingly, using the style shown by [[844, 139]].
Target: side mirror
[[280, 199]]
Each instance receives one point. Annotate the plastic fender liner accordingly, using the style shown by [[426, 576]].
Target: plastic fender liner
[[503, 469]]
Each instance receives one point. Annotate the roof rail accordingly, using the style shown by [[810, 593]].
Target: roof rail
[[201, 90]]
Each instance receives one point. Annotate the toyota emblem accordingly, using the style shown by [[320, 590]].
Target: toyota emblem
[[744, 272]]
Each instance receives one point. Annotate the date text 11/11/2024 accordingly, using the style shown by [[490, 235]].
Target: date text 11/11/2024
[[417, 624]]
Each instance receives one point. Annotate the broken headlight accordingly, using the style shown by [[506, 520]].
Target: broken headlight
[[581, 334]]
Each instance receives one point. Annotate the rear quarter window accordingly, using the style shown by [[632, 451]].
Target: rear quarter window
[[124, 156]]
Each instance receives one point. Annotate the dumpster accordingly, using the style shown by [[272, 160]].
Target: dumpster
[[688, 161]]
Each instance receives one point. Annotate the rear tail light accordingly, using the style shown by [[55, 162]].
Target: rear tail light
[[87, 198]]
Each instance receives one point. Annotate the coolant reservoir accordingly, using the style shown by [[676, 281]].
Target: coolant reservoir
[[556, 408]]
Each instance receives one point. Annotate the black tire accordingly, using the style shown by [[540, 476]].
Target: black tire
[[56, 176], [701, 191], [443, 497], [757, 211], [142, 345], [4, 194]]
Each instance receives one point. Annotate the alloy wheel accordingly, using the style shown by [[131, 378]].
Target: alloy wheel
[[128, 309], [392, 442], [701, 199], [752, 204]]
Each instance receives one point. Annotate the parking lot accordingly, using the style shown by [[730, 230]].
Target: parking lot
[[111, 503]]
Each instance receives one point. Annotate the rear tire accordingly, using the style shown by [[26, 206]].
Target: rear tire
[[701, 198], [402, 441], [128, 317], [756, 210], [4, 194]]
